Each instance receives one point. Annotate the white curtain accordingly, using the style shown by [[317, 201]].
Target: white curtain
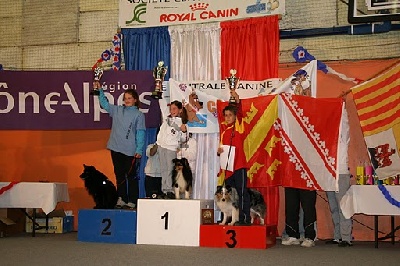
[[195, 55]]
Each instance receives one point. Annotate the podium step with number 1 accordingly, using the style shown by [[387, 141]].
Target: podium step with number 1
[[170, 222]]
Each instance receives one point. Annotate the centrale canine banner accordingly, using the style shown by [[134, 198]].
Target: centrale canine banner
[[61, 100]]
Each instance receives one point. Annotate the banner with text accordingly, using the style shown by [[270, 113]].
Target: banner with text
[[200, 98], [61, 100], [155, 13]]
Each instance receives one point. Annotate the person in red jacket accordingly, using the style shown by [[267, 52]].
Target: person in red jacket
[[231, 140]]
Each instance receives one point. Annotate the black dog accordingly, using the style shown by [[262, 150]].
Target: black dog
[[182, 177], [99, 187]]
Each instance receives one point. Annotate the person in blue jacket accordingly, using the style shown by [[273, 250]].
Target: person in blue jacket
[[126, 143]]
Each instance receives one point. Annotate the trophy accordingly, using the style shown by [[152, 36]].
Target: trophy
[[233, 83], [159, 74], [98, 73]]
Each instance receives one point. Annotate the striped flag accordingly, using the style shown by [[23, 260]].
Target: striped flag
[[378, 107], [309, 135]]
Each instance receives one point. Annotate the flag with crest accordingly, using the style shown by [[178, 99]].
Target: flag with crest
[[378, 107]]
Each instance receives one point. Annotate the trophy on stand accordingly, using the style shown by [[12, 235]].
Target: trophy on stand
[[159, 73], [233, 83], [98, 73]]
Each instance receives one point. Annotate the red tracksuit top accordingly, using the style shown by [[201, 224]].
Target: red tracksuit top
[[235, 138]]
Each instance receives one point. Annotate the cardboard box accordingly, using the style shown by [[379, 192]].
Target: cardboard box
[[58, 223], [12, 221]]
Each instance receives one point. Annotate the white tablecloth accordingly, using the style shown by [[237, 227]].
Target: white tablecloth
[[369, 200], [34, 195]]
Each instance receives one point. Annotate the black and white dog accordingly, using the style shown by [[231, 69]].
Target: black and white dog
[[227, 200], [99, 187], [182, 178]]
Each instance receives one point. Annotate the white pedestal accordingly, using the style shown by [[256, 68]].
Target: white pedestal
[[170, 222]]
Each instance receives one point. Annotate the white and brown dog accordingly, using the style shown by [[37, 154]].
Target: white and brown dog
[[227, 200], [182, 178]]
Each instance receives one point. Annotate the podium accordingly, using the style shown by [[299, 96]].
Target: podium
[[226, 236], [108, 226], [170, 222]]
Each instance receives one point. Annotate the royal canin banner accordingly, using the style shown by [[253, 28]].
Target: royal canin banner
[[155, 13], [61, 100]]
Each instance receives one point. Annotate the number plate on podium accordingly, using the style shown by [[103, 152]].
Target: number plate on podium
[[109, 226], [225, 236], [170, 222]]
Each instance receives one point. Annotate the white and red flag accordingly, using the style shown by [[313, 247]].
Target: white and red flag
[[309, 130]]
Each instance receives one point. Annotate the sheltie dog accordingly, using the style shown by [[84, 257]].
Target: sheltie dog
[[182, 178], [227, 200]]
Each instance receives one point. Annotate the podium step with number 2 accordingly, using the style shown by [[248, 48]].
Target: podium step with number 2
[[109, 226]]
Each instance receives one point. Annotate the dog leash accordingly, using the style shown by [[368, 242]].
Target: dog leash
[[134, 169]]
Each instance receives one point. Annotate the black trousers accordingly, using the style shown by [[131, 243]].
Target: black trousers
[[152, 185], [127, 186], [239, 181], [307, 198]]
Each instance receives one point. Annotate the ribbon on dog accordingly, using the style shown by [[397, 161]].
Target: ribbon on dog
[[8, 187]]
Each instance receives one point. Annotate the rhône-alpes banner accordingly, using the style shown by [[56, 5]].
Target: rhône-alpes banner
[[61, 100]]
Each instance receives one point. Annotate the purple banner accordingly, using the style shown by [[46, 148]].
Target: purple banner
[[60, 100]]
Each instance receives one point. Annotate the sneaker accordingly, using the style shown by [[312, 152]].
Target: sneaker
[[130, 205], [345, 244], [120, 203], [308, 243], [290, 241], [333, 241]]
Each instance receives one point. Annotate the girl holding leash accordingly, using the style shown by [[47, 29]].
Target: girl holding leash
[[126, 144]]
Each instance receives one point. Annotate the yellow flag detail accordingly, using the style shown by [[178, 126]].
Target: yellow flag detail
[[272, 144], [253, 170], [260, 130], [272, 168]]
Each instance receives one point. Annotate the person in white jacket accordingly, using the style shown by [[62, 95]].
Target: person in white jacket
[[152, 171], [172, 132]]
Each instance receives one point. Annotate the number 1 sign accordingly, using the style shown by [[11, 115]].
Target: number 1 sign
[[170, 222]]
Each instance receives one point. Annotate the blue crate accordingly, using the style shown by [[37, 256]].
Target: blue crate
[[108, 226]]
